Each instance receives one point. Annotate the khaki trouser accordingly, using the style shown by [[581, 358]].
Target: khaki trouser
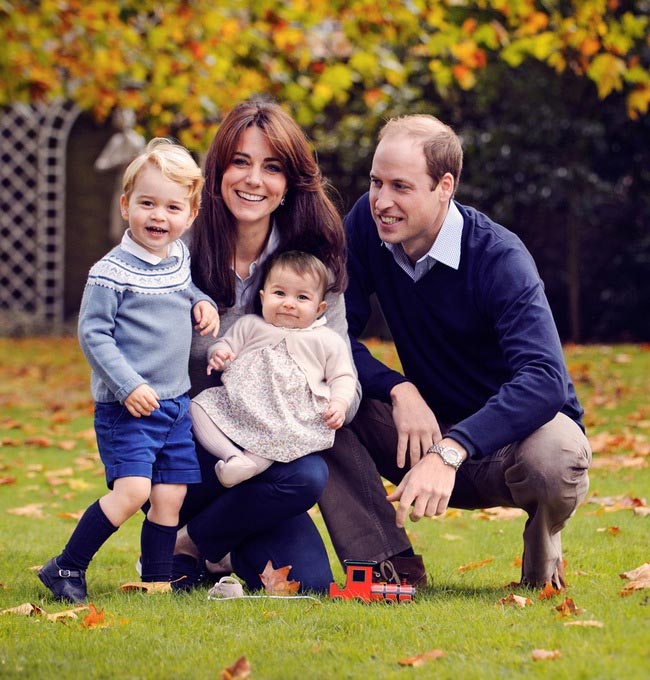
[[544, 474]]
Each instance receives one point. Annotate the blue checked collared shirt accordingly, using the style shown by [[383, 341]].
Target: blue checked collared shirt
[[445, 249]]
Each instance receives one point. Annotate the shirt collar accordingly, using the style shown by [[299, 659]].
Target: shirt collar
[[445, 248], [243, 290], [128, 244]]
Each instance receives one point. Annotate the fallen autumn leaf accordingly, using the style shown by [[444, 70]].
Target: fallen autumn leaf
[[544, 654], [516, 600], [275, 580], [421, 659], [240, 670]]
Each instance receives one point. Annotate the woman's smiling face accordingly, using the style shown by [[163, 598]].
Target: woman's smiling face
[[254, 182]]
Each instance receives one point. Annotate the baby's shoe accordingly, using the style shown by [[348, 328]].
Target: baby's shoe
[[226, 587], [235, 470], [66, 584]]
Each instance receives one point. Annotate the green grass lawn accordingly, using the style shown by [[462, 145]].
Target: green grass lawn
[[49, 472]]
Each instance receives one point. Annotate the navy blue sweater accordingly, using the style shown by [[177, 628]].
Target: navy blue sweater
[[479, 343]]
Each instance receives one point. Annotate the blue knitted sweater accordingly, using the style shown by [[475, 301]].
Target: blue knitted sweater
[[135, 324], [479, 343]]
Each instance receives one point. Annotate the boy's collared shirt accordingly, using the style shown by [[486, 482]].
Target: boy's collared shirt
[[128, 244]]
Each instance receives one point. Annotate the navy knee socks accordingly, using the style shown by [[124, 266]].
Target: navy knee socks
[[157, 546], [92, 531]]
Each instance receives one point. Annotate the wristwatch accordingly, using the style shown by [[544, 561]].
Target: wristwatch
[[449, 455]]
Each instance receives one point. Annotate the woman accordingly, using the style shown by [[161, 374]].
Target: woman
[[263, 194]]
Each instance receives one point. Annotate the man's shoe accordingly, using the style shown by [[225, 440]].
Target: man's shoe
[[66, 584], [410, 570]]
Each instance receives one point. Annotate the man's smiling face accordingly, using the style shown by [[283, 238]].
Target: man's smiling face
[[408, 206]]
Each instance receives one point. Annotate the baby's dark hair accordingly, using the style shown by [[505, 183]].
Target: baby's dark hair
[[301, 263]]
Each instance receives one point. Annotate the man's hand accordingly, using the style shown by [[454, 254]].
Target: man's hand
[[206, 317], [218, 360], [417, 426], [427, 486], [143, 401]]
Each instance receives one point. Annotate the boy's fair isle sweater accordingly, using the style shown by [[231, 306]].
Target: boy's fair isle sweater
[[479, 342], [135, 324]]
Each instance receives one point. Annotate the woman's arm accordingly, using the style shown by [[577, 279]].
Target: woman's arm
[[336, 320]]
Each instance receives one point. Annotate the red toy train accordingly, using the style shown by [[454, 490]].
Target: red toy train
[[370, 582]]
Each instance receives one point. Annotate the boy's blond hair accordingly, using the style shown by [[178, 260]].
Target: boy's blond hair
[[174, 162]]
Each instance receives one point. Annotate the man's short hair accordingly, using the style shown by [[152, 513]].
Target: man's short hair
[[442, 147]]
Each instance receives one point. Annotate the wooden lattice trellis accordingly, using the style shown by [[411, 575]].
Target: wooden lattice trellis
[[33, 143]]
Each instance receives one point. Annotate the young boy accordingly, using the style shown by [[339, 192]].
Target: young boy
[[135, 331]]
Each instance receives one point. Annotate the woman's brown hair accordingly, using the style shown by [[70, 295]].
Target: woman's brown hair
[[307, 221]]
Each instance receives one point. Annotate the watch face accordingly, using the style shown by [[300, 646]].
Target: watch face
[[455, 456], [451, 456]]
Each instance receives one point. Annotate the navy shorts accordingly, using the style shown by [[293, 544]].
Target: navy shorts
[[159, 447]]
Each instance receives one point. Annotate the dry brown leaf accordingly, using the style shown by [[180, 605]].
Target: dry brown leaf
[[275, 580], [639, 579], [612, 531], [41, 442], [67, 614], [642, 512], [421, 659], [473, 565], [9, 479], [79, 484], [587, 624], [637, 584], [549, 591], [12, 424], [516, 600], [71, 515], [618, 462], [150, 587], [95, 618], [26, 609], [499, 513], [640, 572], [33, 510], [63, 472], [568, 608], [545, 654], [240, 670]]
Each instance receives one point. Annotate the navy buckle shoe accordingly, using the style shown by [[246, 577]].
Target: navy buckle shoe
[[66, 584]]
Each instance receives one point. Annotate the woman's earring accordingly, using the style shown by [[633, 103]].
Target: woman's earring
[[282, 201]]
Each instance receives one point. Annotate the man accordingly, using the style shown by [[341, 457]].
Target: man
[[485, 413]]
